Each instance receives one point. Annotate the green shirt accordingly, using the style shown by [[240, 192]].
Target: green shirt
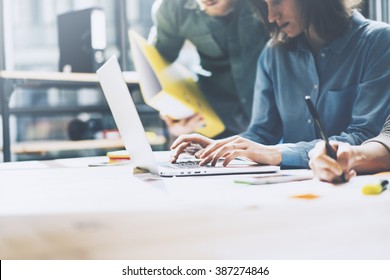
[[228, 48]]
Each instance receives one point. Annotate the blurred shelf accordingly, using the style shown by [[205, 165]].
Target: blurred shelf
[[60, 110], [43, 147], [12, 80], [23, 77]]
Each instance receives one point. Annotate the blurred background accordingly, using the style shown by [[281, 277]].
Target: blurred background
[[46, 35], [30, 28], [34, 36]]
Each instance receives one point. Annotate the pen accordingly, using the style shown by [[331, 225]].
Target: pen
[[329, 150]]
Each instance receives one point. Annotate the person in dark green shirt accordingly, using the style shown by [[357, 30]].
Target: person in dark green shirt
[[228, 36]]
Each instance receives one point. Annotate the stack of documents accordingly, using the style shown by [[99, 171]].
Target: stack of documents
[[117, 156]]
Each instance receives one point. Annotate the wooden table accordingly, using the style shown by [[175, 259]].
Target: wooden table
[[63, 209]]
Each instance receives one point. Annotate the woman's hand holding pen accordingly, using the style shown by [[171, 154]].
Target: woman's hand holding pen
[[327, 169]]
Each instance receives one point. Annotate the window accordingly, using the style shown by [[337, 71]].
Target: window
[[31, 30], [378, 10]]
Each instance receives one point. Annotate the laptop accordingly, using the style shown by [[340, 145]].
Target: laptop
[[133, 135]]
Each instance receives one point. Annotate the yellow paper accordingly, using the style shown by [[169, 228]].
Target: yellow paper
[[170, 87]]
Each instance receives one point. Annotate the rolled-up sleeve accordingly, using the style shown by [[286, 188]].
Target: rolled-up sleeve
[[384, 137]]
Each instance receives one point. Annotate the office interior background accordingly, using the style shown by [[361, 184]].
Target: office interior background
[[29, 42]]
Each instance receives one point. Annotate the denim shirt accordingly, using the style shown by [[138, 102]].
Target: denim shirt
[[348, 81], [229, 51]]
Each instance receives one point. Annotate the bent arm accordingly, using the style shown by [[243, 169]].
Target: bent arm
[[376, 152], [372, 157], [266, 124]]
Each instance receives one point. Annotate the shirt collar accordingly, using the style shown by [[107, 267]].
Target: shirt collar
[[357, 21], [191, 5]]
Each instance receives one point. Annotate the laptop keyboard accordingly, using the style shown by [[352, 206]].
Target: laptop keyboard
[[181, 165]]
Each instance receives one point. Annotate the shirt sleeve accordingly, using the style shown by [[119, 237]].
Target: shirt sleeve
[[384, 136], [166, 30], [266, 125]]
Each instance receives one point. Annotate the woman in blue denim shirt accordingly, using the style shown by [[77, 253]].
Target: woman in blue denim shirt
[[325, 49]]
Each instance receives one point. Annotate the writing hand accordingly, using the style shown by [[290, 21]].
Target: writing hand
[[327, 169]]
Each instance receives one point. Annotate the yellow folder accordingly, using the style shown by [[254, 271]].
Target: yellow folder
[[170, 87]]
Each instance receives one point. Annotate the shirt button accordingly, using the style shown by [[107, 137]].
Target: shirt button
[[323, 54], [315, 86], [309, 121]]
